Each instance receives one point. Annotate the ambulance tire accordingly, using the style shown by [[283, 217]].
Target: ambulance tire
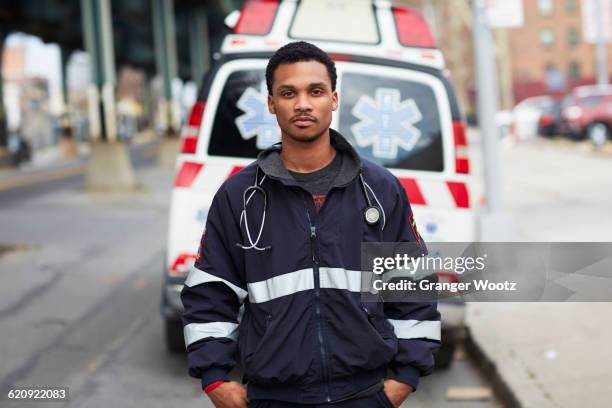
[[174, 336], [444, 356]]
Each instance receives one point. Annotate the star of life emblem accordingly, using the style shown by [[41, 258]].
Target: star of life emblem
[[257, 121], [386, 123]]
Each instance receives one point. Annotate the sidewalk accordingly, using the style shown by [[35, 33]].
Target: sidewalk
[[41, 158], [49, 164], [550, 354], [46, 164], [547, 354]]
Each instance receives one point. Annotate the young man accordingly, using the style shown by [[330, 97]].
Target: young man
[[282, 239]]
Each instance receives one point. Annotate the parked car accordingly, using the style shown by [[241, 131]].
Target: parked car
[[588, 113], [526, 115], [387, 62]]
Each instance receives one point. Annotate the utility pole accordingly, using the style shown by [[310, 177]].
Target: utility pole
[[4, 155], [602, 41], [495, 225]]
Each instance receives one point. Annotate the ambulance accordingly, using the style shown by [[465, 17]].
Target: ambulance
[[397, 108]]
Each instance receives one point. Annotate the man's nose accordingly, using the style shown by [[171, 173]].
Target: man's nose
[[303, 103]]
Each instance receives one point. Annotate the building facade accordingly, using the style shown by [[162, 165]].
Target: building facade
[[549, 53]]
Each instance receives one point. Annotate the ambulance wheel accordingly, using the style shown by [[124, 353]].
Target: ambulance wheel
[[174, 336], [444, 357]]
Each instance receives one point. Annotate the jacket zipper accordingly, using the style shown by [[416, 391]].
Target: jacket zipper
[[315, 264]]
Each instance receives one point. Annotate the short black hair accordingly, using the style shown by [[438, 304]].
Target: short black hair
[[297, 52]]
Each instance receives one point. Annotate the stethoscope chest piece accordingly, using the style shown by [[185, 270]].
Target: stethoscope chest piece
[[371, 215]]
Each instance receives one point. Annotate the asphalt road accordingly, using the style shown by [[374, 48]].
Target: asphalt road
[[80, 283]]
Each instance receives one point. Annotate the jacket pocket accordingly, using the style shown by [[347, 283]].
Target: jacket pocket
[[251, 335], [357, 339], [280, 351], [379, 323]]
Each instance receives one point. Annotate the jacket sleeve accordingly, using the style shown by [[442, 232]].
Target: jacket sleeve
[[213, 293], [416, 324]]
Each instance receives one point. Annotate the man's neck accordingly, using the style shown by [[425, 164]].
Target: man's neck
[[307, 157]]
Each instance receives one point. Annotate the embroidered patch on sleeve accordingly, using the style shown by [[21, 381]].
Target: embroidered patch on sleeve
[[201, 247], [413, 226]]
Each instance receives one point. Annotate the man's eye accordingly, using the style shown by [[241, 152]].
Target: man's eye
[[317, 92], [287, 94]]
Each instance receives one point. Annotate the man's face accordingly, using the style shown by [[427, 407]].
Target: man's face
[[302, 100]]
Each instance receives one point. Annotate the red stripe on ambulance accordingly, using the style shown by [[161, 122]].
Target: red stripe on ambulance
[[412, 189], [460, 194], [187, 174]]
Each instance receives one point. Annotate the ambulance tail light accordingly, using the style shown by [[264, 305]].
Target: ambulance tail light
[[256, 17], [181, 265], [192, 128], [546, 120], [462, 162], [447, 277], [412, 29]]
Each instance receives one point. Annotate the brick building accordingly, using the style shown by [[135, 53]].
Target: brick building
[[549, 55]]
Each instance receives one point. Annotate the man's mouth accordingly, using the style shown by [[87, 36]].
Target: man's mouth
[[303, 121]]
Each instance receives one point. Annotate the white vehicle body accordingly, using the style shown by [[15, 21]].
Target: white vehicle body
[[440, 197], [526, 115]]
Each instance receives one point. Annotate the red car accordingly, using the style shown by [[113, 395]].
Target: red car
[[587, 112]]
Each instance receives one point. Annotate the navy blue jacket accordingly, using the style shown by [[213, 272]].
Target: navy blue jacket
[[291, 313]]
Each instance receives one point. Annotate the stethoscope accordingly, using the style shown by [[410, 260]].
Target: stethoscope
[[371, 214], [255, 188]]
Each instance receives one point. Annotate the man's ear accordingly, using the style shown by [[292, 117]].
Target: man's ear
[[335, 100], [271, 107]]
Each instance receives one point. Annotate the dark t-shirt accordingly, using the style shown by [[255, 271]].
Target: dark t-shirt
[[319, 182]]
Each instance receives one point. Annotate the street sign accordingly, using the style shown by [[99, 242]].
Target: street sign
[[504, 13], [590, 15]]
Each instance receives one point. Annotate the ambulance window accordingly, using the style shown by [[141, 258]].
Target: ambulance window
[[340, 20], [242, 125], [393, 122]]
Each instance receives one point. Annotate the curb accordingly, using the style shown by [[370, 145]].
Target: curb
[[488, 367]]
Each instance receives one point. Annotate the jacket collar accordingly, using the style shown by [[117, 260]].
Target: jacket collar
[[270, 163]]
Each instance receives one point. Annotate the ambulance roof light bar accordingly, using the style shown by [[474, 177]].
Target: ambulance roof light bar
[[412, 29], [255, 18]]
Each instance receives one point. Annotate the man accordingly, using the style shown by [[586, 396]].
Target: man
[[282, 239]]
